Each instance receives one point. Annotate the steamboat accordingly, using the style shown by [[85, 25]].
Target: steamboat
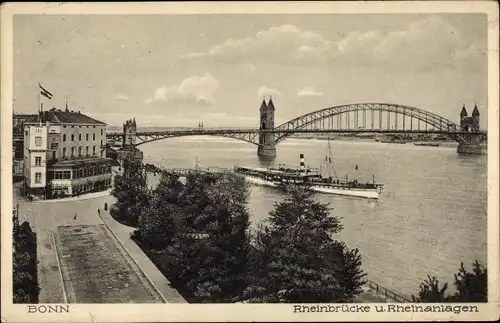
[[313, 178]]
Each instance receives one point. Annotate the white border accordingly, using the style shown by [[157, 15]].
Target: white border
[[241, 312]]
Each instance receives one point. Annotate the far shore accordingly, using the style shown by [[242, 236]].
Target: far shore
[[442, 143]]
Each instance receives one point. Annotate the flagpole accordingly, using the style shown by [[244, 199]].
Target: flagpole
[[39, 106]]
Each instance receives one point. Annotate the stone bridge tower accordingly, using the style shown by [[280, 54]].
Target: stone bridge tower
[[267, 144], [129, 134], [469, 143]]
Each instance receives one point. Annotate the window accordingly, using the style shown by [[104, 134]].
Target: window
[[101, 143], [87, 126], [38, 161], [72, 126], [79, 151], [102, 132], [64, 126], [64, 137], [72, 137], [93, 126], [87, 150], [80, 136], [87, 137], [38, 177], [93, 150], [64, 152], [93, 136], [38, 141], [26, 133], [72, 151], [62, 174]]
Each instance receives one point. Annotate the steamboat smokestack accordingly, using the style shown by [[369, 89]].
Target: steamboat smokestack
[[302, 163]]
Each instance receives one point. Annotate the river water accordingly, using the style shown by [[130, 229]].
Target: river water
[[430, 216]]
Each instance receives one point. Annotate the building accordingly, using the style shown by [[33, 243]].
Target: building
[[128, 149], [18, 121], [470, 124], [64, 155]]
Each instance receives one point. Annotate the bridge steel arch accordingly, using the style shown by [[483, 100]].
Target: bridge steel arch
[[435, 121]]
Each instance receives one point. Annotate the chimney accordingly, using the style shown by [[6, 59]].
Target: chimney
[[302, 163]]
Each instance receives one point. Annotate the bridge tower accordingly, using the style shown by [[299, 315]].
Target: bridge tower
[[267, 141], [129, 133], [469, 143]]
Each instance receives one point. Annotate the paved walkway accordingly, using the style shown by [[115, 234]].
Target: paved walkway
[[46, 217], [49, 274], [83, 197], [157, 279]]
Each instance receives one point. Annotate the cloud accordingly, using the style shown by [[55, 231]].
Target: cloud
[[427, 41], [121, 96], [308, 91], [267, 91], [197, 89]]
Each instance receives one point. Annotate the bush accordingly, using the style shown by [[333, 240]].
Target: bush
[[471, 287], [25, 279]]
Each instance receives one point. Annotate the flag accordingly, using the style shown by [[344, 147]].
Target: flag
[[44, 92]]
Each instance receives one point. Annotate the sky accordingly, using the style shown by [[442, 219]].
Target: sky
[[177, 70]]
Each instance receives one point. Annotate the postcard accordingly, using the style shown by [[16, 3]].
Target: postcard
[[250, 161]]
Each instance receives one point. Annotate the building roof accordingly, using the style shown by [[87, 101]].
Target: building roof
[[463, 113], [68, 117], [270, 105], [263, 106], [475, 112]]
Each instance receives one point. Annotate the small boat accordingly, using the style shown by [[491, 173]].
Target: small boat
[[311, 178], [393, 140], [429, 144]]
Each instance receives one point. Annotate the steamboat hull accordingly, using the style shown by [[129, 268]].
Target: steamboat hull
[[326, 189]]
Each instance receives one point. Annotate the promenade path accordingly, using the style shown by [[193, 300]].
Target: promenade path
[[161, 284], [82, 261]]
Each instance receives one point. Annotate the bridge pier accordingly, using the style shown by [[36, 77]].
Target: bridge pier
[[470, 144], [266, 151]]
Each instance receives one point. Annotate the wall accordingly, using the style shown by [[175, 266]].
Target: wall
[[32, 151], [37, 169], [68, 130]]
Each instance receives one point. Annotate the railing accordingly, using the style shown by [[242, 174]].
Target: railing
[[387, 293]]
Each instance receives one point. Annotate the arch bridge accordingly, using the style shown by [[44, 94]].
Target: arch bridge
[[372, 118]]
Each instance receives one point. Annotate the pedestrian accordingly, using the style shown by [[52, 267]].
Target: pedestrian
[[74, 218], [105, 206], [99, 211]]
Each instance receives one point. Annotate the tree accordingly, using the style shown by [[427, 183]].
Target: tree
[[346, 263], [157, 224], [25, 278], [209, 252], [131, 192], [195, 198], [431, 292], [471, 287], [299, 260]]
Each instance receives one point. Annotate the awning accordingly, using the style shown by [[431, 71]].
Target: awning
[[84, 162]]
